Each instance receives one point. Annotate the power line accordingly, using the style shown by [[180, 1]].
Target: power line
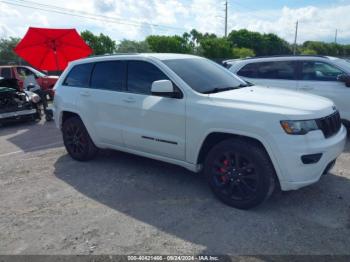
[[71, 12]]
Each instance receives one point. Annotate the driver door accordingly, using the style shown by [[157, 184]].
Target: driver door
[[153, 124]]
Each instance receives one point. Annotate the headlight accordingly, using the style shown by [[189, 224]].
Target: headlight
[[301, 127], [35, 98]]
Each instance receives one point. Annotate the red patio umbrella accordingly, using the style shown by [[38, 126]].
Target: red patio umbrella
[[52, 49]]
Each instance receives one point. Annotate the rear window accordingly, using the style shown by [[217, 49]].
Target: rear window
[[5, 72], [270, 70], [110, 75], [79, 76]]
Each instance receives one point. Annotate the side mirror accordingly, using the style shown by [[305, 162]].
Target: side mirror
[[163, 88], [344, 78]]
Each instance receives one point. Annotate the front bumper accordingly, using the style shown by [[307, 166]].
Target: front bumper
[[295, 173], [18, 114]]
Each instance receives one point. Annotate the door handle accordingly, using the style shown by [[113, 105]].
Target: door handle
[[84, 93], [129, 100]]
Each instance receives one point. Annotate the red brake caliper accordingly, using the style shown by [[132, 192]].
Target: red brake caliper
[[223, 170]]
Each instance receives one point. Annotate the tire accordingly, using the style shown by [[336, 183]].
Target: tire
[[77, 140], [245, 185], [346, 123]]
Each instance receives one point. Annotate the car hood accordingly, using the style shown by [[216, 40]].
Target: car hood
[[295, 105]]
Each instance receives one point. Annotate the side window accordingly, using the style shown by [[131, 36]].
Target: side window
[[276, 70], [319, 71], [24, 72], [110, 75], [79, 76], [249, 70], [6, 72], [141, 75]]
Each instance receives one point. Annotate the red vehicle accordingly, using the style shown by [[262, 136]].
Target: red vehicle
[[21, 72]]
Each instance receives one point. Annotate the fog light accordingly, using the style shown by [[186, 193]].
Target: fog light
[[311, 159]]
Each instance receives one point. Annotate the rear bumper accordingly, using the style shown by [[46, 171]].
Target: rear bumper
[[297, 174], [18, 114]]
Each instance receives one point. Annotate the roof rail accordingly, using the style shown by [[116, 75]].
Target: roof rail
[[114, 54], [272, 56]]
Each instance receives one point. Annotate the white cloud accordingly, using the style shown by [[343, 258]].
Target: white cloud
[[105, 5], [315, 23], [135, 19]]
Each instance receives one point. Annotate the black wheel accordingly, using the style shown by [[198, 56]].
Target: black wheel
[[48, 118], [77, 140], [346, 123], [240, 173], [48, 115]]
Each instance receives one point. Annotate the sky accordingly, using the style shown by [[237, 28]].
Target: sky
[[135, 19]]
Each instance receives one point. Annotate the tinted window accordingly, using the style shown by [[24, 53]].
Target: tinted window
[[249, 70], [270, 70], [79, 76], [319, 71], [141, 75], [203, 75], [109, 75], [6, 72], [24, 72]]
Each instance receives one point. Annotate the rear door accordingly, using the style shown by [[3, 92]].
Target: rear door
[[153, 124], [320, 78], [101, 104], [280, 74]]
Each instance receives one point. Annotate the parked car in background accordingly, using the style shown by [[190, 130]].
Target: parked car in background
[[21, 72], [16, 104], [192, 112], [321, 75]]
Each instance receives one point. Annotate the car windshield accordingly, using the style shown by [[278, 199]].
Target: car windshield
[[344, 64], [205, 76], [37, 73]]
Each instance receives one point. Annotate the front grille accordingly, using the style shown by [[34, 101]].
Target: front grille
[[330, 125]]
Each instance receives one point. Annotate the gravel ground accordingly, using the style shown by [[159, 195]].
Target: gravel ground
[[124, 204]]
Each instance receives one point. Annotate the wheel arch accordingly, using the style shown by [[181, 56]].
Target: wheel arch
[[67, 114], [216, 137]]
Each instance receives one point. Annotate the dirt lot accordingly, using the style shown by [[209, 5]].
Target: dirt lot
[[124, 204]]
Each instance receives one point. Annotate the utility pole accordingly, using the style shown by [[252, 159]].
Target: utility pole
[[226, 18], [295, 38], [336, 36]]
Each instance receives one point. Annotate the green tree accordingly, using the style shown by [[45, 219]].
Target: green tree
[[274, 45], [214, 48], [168, 44], [261, 44], [100, 44], [242, 52], [308, 51], [7, 55], [128, 46]]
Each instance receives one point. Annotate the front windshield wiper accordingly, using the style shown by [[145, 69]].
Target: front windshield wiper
[[217, 89]]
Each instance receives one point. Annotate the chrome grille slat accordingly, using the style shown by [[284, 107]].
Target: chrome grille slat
[[329, 125]]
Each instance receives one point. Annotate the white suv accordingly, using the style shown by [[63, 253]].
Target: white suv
[[192, 112], [319, 75]]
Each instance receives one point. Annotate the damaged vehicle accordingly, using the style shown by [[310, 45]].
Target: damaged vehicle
[[16, 104]]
